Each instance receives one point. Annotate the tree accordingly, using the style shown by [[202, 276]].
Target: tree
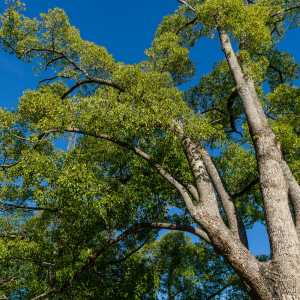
[[141, 148]]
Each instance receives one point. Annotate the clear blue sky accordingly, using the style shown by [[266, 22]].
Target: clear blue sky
[[126, 29]]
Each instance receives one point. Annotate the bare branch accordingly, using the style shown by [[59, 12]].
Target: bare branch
[[29, 207], [92, 80], [278, 71], [21, 138], [93, 257], [285, 10], [46, 294], [184, 3], [187, 228], [50, 63], [9, 165], [246, 188], [213, 109], [128, 255], [12, 236], [52, 78], [31, 260], [3, 283], [192, 22], [218, 292]]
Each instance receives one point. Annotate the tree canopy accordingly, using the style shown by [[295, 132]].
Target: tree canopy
[[81, 223]]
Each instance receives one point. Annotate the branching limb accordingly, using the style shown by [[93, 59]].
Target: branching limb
[[201, 178], [10, 279], [146, 157], [235, 221], [55, 77], [204, 170], [92, 80], [89, 79], [93, 257], [7, 166], [192, 190], [46, 294], [187, 228], [3, 283], [230, 103], [75, 65], [194, 151], [275, 29], [41, 138], [51, 62]]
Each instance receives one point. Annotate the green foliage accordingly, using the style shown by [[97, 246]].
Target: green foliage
[[59, 208], [187, 270]]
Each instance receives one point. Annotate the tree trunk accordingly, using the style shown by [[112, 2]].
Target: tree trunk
[[280, 277]]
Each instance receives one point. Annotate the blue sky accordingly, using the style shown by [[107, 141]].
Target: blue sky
[[126, 29]]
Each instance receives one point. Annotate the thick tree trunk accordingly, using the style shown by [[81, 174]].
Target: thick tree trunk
[[281, 275]]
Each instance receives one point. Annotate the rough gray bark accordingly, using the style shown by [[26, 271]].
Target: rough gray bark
[[281, 275], [235, 221], [205, 174], [294, 193]]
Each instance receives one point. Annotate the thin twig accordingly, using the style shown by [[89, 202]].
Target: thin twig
[[285, 10]]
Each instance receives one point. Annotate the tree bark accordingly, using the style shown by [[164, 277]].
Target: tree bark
[[294, 193], [281, 275]]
